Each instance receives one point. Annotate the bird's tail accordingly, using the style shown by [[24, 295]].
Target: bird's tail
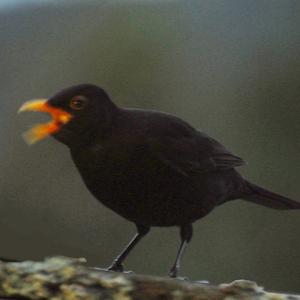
[[264, 197]]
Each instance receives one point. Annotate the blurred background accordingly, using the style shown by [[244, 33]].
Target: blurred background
[[231, 68]]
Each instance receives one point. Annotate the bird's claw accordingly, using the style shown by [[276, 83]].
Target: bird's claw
[[182, 278], [201, 282]]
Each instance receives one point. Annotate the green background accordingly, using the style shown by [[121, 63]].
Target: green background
[[231, 68]]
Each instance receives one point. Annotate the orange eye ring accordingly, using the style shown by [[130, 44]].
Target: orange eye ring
[[78, 102]]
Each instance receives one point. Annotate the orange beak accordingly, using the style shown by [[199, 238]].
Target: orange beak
[[41, 131]]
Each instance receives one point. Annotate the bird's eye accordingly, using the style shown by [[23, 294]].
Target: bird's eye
[[78, 102]]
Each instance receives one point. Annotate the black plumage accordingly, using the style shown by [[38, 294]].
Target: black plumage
[[152, 168]]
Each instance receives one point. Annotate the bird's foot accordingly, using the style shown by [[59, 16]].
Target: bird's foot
[[173, 273], [117, 267]]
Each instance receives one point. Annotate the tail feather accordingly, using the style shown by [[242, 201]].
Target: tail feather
[[267, 198]]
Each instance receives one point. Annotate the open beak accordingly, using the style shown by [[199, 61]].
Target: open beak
[[41, 131]]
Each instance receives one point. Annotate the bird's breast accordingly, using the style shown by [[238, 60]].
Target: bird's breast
[[140, 188], [111, 173]]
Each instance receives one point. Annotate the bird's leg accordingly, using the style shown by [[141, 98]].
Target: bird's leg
[[118, 261], [186, 232]]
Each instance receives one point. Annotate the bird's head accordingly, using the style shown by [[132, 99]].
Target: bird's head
[[78, 113]]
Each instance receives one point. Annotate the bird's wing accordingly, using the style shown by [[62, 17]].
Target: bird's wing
[[222, 157], [192, 151]]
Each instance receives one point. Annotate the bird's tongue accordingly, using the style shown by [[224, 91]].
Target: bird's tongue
[[41, 131]]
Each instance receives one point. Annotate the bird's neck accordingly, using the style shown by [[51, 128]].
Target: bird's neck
[[97, 133]]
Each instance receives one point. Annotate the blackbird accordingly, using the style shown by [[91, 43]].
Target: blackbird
[[150, 167]]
